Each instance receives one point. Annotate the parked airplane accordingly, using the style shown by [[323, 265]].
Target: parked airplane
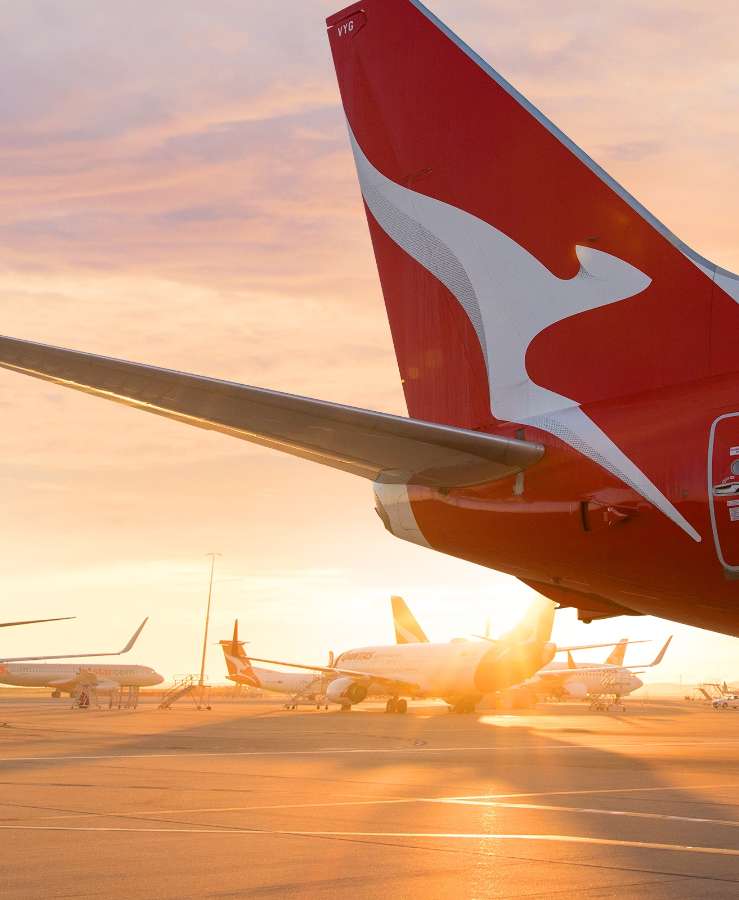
[[307, 688], [560, 679], [460, 671], [568, 364], [611, 679], [70, 678]]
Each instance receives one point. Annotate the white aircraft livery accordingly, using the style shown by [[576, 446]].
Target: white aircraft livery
[[70, 677], [459, 671]]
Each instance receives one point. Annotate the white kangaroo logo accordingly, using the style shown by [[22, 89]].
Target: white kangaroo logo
[[510, 297]]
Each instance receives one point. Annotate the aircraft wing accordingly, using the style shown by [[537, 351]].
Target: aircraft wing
[[128, 646], [35, 621], [374, 445], [350, 673], [573, 647]]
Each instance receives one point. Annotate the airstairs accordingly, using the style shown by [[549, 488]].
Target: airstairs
[[182, 687], [609, 695], [313, 693]]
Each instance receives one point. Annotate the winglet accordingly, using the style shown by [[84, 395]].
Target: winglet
[[134, 638], [659, 657]]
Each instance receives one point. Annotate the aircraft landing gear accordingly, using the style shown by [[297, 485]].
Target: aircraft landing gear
[[390, 705], [396, 705]]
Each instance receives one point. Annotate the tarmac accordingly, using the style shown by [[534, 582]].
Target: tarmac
[[251, 800]]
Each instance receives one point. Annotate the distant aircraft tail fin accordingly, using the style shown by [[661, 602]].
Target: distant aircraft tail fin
[[407, 629], [238, 663], [617, 655]]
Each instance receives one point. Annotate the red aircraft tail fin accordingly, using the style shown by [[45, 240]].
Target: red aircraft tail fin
[[519, 278], [238, 663]]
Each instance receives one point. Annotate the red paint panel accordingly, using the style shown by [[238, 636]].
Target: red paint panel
[[430, 118]]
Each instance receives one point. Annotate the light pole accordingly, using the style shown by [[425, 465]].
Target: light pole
[[201, 682]]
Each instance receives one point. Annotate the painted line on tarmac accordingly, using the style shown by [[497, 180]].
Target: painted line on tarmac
[[543, 807], [413, 835], [632, 790], [489, 800], [329, 751]]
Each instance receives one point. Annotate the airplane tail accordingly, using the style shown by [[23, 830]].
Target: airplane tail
[[490, 226], [407, 629], [511, 264], [617, 655], [536, 625], [238, 663]]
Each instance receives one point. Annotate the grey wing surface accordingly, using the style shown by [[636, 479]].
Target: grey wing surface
[[374, 445]]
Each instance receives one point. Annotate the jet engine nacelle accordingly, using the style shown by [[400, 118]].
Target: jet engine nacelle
[[346, 690], [576, 689]]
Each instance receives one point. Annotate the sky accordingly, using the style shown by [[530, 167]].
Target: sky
[[176, 187]]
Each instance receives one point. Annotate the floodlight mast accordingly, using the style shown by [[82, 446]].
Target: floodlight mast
[[201, 681]]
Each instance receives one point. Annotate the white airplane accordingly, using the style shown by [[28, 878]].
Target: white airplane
[[558, 679], [460, 671], [29, 671], [308, 688], [600, 683]]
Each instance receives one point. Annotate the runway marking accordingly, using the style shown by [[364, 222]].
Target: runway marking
[[328, 751], [415, 835], [485, 800], [634, 790], [542, 807]]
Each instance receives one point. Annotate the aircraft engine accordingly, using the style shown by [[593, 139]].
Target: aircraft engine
[[576, 688], [346, 690]]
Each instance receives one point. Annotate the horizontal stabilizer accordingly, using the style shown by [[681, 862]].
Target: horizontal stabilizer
[[374, 445]]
